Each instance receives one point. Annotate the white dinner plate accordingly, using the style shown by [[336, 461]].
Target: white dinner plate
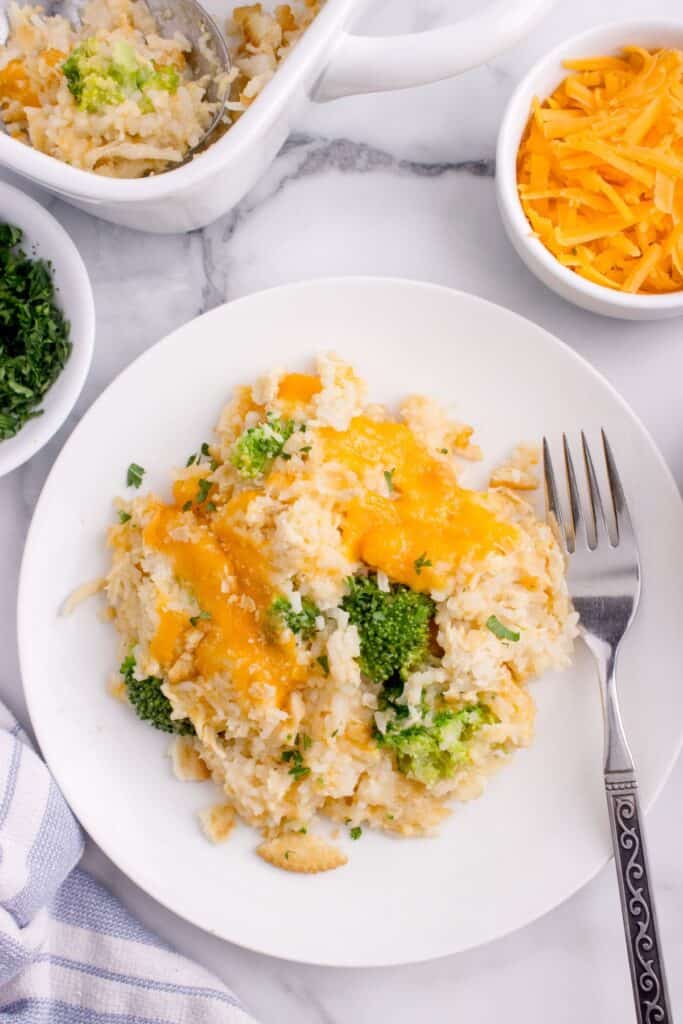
[[540, 831]]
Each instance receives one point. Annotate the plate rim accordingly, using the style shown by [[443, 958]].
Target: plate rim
[[23, 613]]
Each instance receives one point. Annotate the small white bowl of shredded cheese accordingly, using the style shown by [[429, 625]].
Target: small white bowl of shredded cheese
[[603, 43]]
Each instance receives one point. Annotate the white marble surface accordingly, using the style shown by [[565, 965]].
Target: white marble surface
[[398, 184]]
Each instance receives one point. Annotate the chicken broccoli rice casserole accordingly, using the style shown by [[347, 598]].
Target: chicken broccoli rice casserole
[[116, 97], [329, 622]]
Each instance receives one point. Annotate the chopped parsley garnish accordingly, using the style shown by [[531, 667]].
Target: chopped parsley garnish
[[203, 488], [134, 475], [324, 663], [298, 769], [421, 563], [389, 477], [294, 757], [124, 517], [203, 453], [34, 336], [501, 631], [356, 832], [444, 451], [210, 506], [187, 506], [203, 616], [302, 623]]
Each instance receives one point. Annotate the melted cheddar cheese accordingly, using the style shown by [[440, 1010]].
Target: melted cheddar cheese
[[425, 517], [15, 85], [228, 578], [298, 388]]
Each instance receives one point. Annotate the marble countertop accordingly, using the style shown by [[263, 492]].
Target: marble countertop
[[398, 184]]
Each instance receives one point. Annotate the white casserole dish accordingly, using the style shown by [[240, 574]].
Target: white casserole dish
[[326, 63]]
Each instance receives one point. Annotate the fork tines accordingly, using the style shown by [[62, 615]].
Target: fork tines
[[576, 530]]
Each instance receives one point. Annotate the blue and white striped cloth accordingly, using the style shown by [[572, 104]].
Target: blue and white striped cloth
[[70, 953]]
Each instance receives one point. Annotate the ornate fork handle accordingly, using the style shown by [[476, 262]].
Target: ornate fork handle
[[640, 921]]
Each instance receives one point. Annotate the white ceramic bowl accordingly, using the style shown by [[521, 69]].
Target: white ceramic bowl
[[45, 238], [540, 81], [327, 62]]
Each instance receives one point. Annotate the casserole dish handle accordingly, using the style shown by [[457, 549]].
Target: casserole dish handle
[[362, 64]]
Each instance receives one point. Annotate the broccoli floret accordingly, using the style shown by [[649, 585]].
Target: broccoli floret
[[393, 627], [150, 704], [302, 623], [96, 81], [127, 69], [81, 63], [258, 447], [98, 91], [165, 77], [429, 753]]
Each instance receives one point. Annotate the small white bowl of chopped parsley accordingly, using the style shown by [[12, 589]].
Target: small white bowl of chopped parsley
[[47, 327]]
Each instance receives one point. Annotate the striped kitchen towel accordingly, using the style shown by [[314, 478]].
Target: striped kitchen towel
[[69, 952]]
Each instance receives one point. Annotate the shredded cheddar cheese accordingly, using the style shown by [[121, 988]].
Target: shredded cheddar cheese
[[600, 170]]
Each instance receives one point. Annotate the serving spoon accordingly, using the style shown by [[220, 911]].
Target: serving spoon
[[209, 55]]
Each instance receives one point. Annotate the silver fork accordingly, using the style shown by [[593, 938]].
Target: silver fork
[[603, 575]]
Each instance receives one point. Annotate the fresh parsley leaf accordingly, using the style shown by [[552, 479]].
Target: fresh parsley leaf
[[210, 506], [187, 506], [191, 461], [203, 616], [389, 477], [444, 451], [356, 832], [299, 770], [501, 631], [203, 488], [421, 563], [302, 623], [134, 475], [324, 663], [204, 450]]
